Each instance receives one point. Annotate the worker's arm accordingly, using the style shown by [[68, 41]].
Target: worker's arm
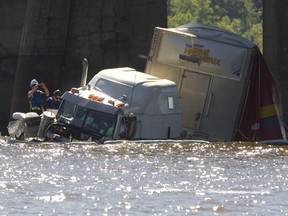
[[45, 89], [31, 92]]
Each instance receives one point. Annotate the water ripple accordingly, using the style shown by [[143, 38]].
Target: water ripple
[[143, 178]]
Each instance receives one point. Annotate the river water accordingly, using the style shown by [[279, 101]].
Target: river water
[[143, 178]]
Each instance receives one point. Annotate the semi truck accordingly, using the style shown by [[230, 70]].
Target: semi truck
[[200, 82]]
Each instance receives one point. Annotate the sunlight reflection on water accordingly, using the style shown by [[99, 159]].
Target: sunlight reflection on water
[[143, 178]]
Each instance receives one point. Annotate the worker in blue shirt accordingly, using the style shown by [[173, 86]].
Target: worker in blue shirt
[[54, 101], [36, 96]]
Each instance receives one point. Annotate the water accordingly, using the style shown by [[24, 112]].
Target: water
[[143, 178]]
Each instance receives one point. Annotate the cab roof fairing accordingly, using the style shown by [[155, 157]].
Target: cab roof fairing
[[125, 76], [140, 88]]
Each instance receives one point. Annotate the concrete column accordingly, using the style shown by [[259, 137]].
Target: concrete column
[[110, 33], [12, 14], [275, 44], [42, 48]]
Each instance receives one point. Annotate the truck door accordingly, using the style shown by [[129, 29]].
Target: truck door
[[193, 92]]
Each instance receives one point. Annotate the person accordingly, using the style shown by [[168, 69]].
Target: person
[[36, 95], [54, 101]]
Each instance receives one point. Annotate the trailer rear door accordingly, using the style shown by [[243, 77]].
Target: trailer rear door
[[193, 93]]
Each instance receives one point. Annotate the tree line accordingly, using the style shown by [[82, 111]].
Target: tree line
[[243, 17]]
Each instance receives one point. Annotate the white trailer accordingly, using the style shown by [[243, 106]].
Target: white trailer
[[213, 69]]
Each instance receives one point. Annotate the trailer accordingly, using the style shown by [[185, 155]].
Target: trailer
[[227, 91]]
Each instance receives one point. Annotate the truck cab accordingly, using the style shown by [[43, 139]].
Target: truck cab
[[119, 103]]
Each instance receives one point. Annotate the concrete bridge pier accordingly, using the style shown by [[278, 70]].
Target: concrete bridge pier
[[275, 45], [58, 34], [42, 48]]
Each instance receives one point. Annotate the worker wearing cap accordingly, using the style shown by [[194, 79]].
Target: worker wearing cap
[[54, 101], [35, 96]]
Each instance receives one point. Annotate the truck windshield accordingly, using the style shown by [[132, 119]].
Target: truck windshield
[[93, 121]]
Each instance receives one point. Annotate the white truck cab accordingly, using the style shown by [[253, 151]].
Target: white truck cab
[[120, 103]]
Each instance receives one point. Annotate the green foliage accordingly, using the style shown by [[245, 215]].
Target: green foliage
[[243, 17]]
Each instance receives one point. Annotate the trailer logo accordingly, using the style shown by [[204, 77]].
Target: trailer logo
[[197, 53]]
